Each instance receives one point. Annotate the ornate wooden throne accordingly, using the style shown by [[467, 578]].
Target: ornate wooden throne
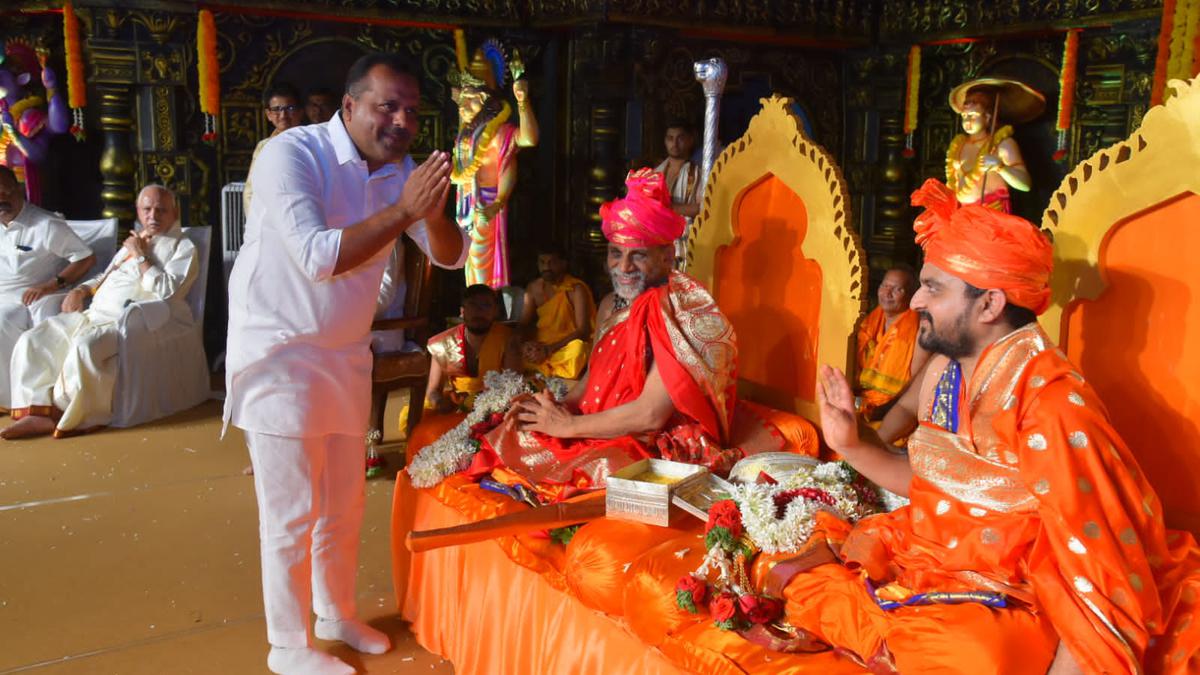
[[774, 245], [1126, 301]]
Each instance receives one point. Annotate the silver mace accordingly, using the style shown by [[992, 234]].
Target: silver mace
[[711, 75]]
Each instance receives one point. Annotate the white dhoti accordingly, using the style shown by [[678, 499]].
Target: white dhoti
[[67, 363], [310, 498], [15, 319]]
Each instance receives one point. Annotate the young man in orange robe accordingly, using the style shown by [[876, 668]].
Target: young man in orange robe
[[888, 353], [459, 358], [557, 319], [1033, 542]]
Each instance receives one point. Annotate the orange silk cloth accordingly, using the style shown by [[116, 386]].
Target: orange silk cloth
[[449, 349], [885, 356], [1036, 496], [694, 348]]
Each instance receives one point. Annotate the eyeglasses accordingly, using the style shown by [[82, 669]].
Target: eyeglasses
[[282, 108]]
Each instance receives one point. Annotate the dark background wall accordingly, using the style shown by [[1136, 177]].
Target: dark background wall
[[605, 78]]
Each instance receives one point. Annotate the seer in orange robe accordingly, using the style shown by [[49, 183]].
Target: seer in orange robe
[[1033, 542], [460, 357], [888, 354], [661, 375], [557, 319]]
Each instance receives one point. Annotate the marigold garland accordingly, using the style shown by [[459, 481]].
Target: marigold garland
[[912, 98], [1066, 90], [76, 88], [1164, 52], [210, 74]]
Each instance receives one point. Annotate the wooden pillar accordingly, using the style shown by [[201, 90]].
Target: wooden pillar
[[117, 166]]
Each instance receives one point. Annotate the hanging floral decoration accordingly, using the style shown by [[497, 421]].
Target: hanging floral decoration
[[1066, 91], [1178, 46], [210, 74], [912, 98], [76, 88]]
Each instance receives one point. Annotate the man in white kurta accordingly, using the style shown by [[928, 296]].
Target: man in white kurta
[[40, 256], [330, 202], [64, 369]]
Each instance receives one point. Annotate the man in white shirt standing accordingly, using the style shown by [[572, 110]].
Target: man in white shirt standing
[[330, 202], [34, 244], [64, 368]]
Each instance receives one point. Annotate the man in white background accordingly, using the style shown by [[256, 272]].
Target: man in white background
[[64, 369], [330, 202], [34, 245]]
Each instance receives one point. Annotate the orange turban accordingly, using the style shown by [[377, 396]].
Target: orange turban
[[644, 217], [984, 247]]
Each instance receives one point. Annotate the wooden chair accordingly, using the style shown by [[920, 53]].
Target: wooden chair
[[773, 243], [399, 369], [1126, 299]]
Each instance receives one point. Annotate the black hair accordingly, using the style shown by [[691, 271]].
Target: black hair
[[1014, 315], [327, 92], [358, 71], [281, 89], [477, 290], [10, 174], [554, 250], [680, 123]]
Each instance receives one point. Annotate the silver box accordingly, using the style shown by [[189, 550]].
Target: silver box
[[644, 502]]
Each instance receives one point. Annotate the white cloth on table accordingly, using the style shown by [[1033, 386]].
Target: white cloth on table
[[34, 247], [68, 362], [310, 507], [298, 360]]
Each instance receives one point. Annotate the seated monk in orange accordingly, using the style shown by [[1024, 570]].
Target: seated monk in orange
[[1032, 544], [556, 318], [888, 353], [460, 357], [660, 379], [1025, 501]]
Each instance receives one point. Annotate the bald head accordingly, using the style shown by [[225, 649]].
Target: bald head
[[896, 290], [157, 210]]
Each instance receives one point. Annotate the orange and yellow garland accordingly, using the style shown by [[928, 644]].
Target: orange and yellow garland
[[1178, 46], [912, 98], [1066, 91], [210, 74], [76, 88]]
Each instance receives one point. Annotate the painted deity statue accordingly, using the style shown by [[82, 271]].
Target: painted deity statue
[[27, 121], [485, 156], [984, 162]]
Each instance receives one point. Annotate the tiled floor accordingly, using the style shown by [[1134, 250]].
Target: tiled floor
[[136, 551]]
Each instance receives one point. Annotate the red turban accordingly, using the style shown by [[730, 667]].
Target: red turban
[[984, 247], [644, 217]]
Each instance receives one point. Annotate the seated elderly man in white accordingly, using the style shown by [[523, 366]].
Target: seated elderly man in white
[[39, 257], [63, 370]]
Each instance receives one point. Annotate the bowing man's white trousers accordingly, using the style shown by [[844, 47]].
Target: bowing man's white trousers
[[310, 508]]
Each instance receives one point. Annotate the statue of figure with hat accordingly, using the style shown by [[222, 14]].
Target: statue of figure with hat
[[984, 162], [485, 154], [26, 120]]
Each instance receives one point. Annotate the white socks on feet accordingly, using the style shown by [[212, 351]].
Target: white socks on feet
[[306, 661], [360, 636]]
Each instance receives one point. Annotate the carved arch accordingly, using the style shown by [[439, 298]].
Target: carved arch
[[775, 154]]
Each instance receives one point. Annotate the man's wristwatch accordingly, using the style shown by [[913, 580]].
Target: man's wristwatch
[[140, 259], [60, 281]]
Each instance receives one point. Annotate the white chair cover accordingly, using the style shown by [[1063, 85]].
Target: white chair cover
[[163, 369]]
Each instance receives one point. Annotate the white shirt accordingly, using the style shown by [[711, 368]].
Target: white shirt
[[298, 361], [683, 181], [32, 249], [173, 271]]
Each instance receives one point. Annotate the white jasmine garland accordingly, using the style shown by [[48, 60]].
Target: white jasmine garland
[[788, 534], [453, 451]]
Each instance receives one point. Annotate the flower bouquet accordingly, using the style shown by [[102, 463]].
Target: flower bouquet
[[453, 451], [771, 516]]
